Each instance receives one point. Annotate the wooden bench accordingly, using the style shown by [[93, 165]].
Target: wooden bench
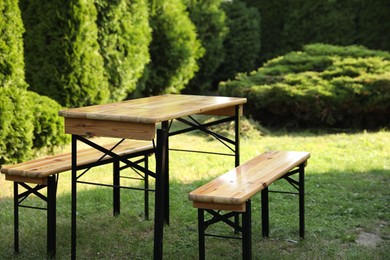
[[44, 173], [229, 195]]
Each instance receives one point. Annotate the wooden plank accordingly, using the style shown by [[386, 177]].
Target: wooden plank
[[226, 111], [219, 206], [241, 183], [49, 165], [107, 128], [155, 109], [16, 178]]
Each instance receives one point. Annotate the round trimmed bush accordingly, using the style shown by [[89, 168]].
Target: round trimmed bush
[[49, 130], [320, 86]]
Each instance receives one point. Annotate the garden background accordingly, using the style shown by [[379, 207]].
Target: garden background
[[316, 72]]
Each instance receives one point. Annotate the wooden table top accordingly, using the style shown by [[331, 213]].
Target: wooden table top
[[153, 109]]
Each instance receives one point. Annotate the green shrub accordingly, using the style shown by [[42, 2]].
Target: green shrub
[[174, 49], [49, 130], [209, 20], [62, 53], [124, 37], [11, 45], [321, 86], [16, 128], [242, 43], [288, 25]]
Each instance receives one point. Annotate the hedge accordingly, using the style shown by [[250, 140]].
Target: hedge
[[11, 45], [242, 43], [62, 52], [124, 38], [320, 86], [174, 49], [16, 127], [48, 126], [288, 25], [211, 28]]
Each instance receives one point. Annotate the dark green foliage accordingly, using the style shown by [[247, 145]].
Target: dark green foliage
[[242, 43], [16, 128], [11, 45], [273, 19], [62, 53], [27, 121], [48, 126], [288, 25], [321, 86], [174, 49], [124, 37], [209, 20]]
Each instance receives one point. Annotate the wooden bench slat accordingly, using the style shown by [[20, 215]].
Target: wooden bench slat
[[43, 167], [240, 184]]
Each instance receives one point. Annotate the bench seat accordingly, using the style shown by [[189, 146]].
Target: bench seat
[[37, 170], [43, 173], [232, 192]]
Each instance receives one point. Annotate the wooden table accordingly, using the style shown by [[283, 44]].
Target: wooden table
[[149, 119]]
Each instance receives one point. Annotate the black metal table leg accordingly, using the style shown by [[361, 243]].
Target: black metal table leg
[[160, 199], [116, 189], [247, 232], [302, 200], [16, 218], [51, 216], [265, 212], [74, 197], [201, 235], [146, 186]]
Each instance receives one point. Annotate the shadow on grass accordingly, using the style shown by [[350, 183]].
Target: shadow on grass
[[339, 206]]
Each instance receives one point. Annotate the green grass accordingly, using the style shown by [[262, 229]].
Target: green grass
[[347, 194]]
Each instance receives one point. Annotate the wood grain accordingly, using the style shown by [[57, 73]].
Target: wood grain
[[238, 185], [105, 128], [43, 167], [152, 110]]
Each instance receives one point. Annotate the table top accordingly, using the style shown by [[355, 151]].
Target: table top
[[153, 109]]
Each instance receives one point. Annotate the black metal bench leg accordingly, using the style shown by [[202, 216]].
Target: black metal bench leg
[[247, 232], [201, 235], [146, 192], [302, 200], [51, 216], [16, 218], [265, 212], [116, 189]]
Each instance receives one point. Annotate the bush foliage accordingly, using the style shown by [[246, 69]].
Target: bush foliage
[[242, 43], [288, 25], [62, 52], [11, 45], [27, 120], [320, 86], [174, 49], [210, 22], [16, 127], [48, 127], [124, 37]]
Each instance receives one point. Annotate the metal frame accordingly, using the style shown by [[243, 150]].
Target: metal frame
[[299, 186], [161, 175], [162, 166], [115, 160], [218, 216], [245, 228], [50, 200], [52, 183]]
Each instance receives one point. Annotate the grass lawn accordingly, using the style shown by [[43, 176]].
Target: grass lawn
[[347, 206]]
